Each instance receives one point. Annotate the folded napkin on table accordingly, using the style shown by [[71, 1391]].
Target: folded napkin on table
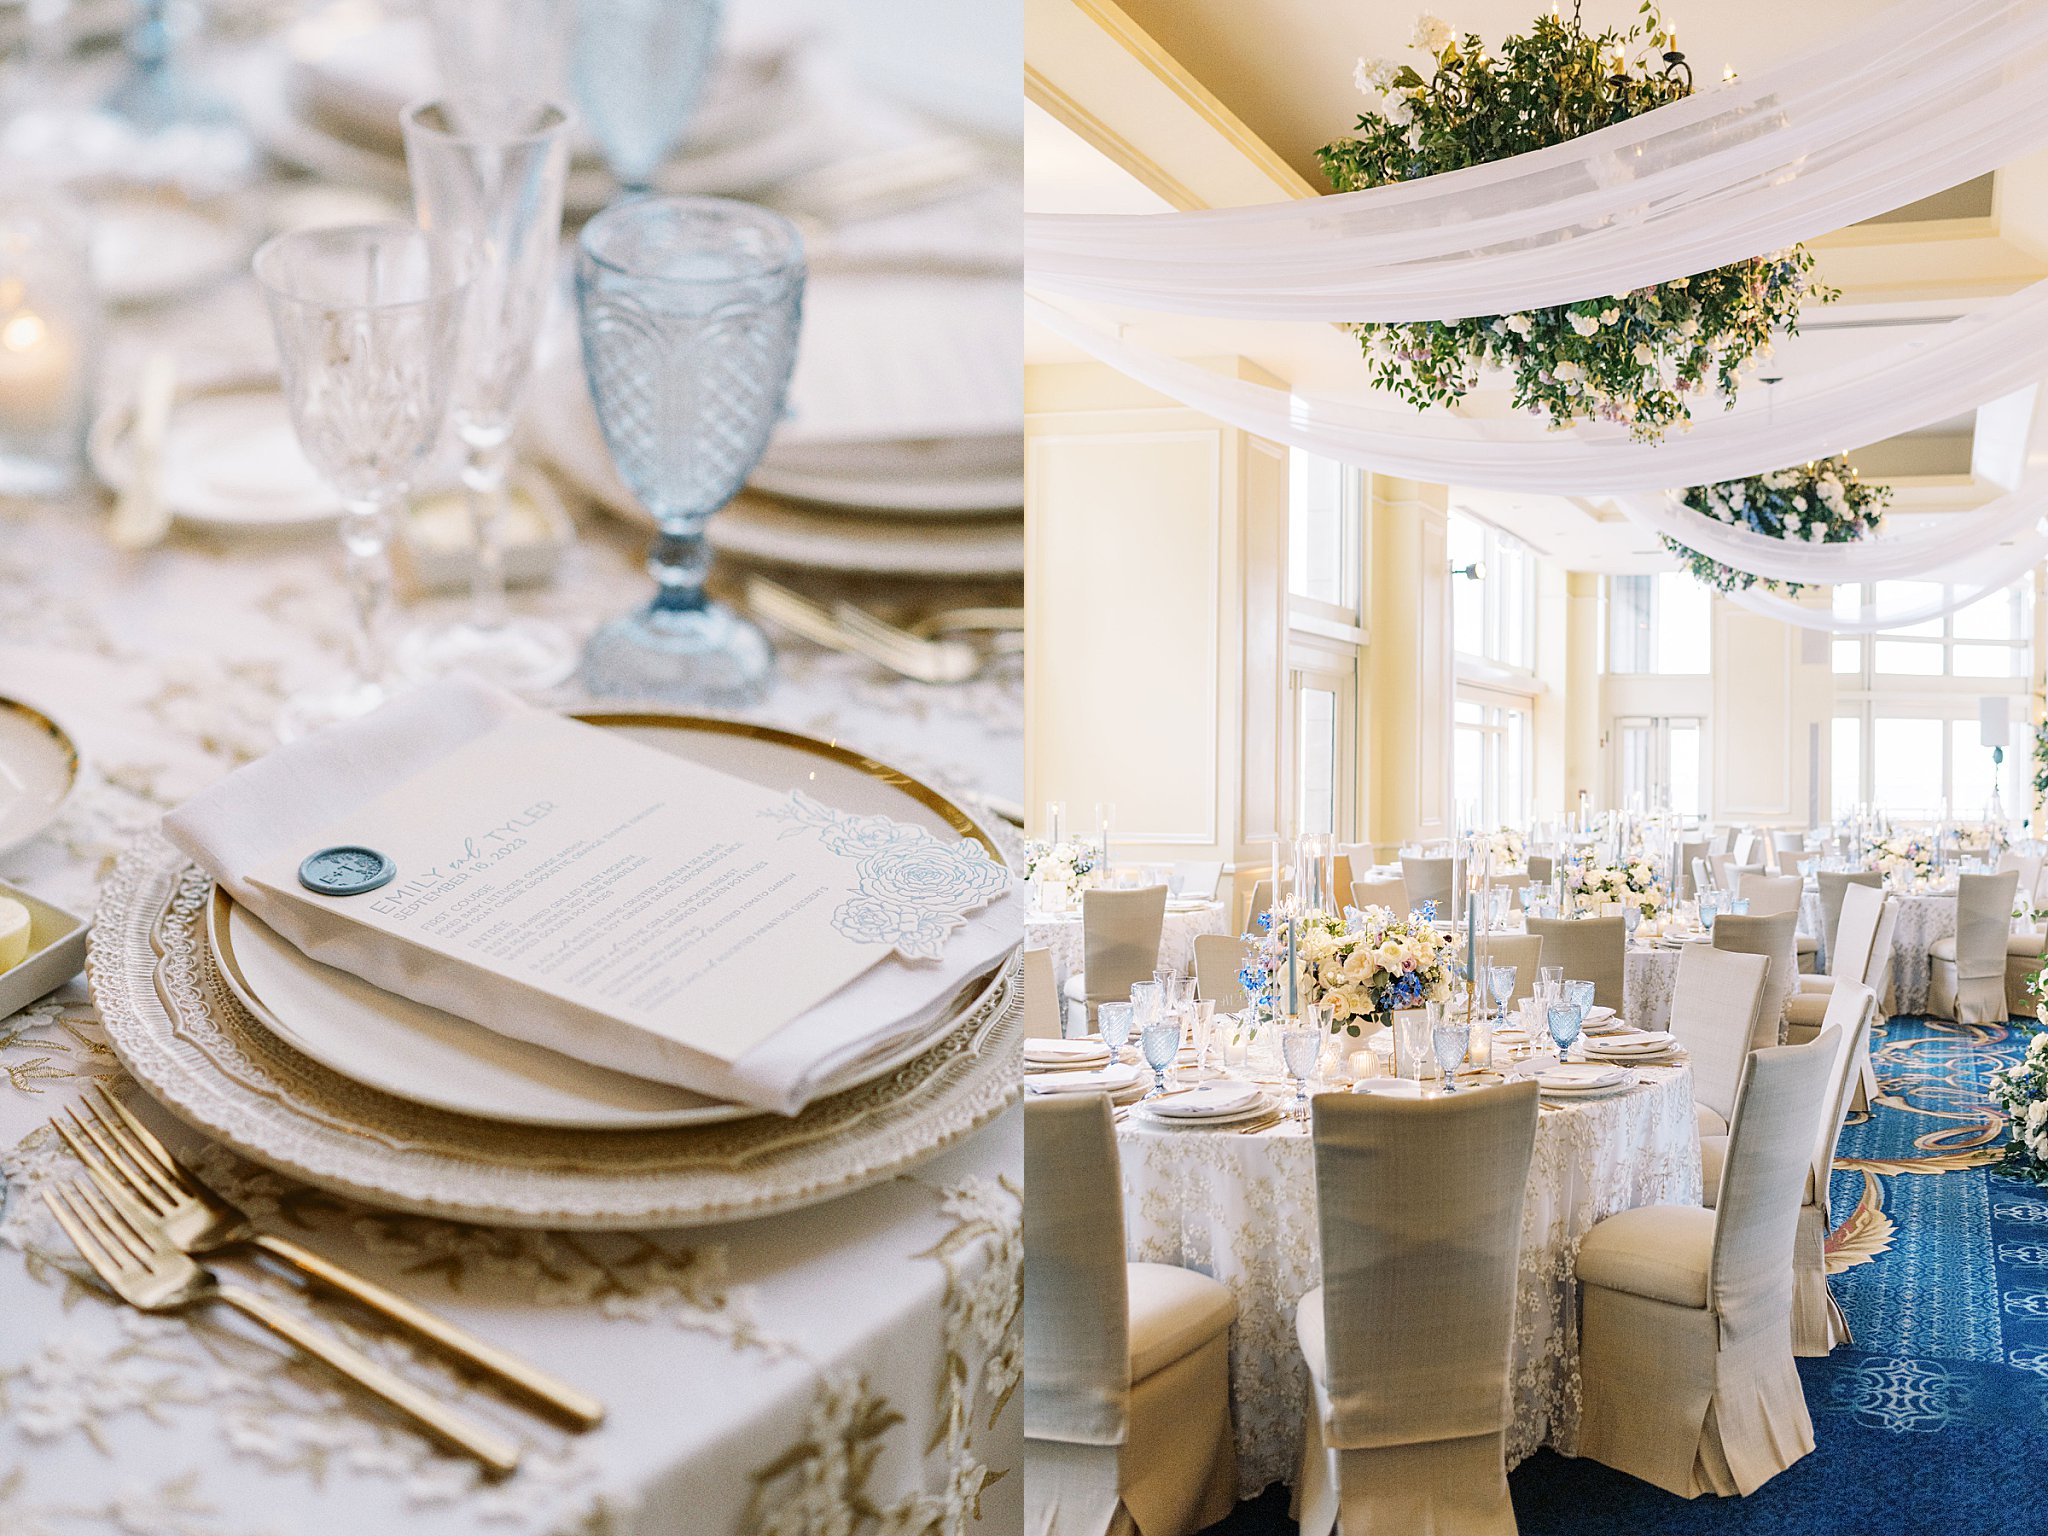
[[1101, 1080], [281, 804]]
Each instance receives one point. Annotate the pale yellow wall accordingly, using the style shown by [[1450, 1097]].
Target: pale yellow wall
[[1408, 683]]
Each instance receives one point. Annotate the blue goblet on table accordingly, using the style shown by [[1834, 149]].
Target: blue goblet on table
[[690, 310]]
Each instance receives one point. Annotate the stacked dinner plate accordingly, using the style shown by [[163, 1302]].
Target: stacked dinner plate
[[1225, 1103], [1640, 1047], [1570, 1082], [1123, 1082], [331, 106], [338, 1083], [1043, 1055]]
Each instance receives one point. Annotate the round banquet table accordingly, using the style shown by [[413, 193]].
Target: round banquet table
[[1060, 932], [1242, 1208]]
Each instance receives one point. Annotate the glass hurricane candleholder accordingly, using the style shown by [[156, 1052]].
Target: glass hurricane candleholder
[[50, 320]]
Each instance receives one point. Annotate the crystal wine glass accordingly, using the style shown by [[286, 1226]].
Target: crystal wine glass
[[1203, 1015], [367, 319], [1148, 1001], [1160, 1043], [1710, 906], [639, 67], [1450, 1037], [690, 308], [1300, 1049], [1500, 986], [1114, 1020], [1580, 995], [498, 57], [1564, 1026], [1631, 920], [491, 195]]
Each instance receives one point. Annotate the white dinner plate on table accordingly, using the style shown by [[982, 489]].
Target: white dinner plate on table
[[1571, 1078], [1211, 1101], [1155, 1113], [1597, 1016], [38, 771], [424, 1055], [1115, 1080], [1042, 1052]]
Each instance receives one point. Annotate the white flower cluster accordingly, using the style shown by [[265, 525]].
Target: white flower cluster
[[1632, 882], [2022, 1091], [1065, 866]]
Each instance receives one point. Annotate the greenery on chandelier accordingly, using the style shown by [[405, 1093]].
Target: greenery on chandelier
[[1637, 358], [1819, 503], [2041, 761]]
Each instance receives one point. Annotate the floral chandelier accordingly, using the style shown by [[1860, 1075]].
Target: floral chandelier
[[1637, 358], [1819, 503]]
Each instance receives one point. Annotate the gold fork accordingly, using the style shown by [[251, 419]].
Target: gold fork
[[133, 1164], [125, 1249]]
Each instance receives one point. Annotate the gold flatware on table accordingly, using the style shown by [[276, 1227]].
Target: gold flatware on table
[[929, 661], [129, 1252], [133, 1164], [1263, 1123]]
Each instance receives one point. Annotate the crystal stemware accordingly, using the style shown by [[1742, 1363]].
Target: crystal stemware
[[1301, 1047], [690, 308], [1500, 986], [367, 319], [490, 195], [1710, 907], [1202, 1016], [497, 57], [639, 67], [1580, 995], [1564, 1026], [1450, 1037], [1160, 1043], [1115, 1021], [1631, 920]]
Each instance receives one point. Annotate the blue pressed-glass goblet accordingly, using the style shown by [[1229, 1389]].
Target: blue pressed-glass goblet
[[1580, 995], [1500, 986], [690, 308], [1161, 1043], [1564, 1026], [1114, 1019], [638, 68]]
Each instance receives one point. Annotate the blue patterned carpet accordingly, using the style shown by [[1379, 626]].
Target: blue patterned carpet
[[1935, 1421]]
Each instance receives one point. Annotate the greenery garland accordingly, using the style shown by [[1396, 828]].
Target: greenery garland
[[1819, 503], [1634, 357], [2041, 761]]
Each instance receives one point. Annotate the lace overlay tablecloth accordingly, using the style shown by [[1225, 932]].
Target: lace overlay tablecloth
[[844, 1370], [1922, 921], [1062, 935], [1243, 1209], [1647, 978]]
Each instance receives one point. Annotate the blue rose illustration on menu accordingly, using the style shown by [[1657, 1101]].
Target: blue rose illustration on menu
[[914, 890]]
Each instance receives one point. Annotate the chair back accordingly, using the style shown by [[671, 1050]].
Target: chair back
[[1722, 841], [1704, 876], [1748, 850], [1771, 894], [1778, 1112], [1983, 919], [1042, 999], [1855, 930], [1834, 893], [1391, 893], [1723, 867], [1261, 901], [1219, 957], [1428, 879], [1524, 951], [1591, 949], [1715, 1002], [1120, 932], [1878, 974], [1077, 1351], [1692, 859], [1419, 1202], [1852, 1009], [1776, 937], [2029, 867], [1197, 877], [1787, 849], [1341, 879], [1542, 868]]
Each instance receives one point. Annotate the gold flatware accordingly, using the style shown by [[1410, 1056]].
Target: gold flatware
[[129, 1252], [950, 621], [133, 1164], [141, 516], [929, 661], [1263, 1123]]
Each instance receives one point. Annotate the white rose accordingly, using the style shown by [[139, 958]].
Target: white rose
[[1585, 325], [1432, 34], [1609, 316], [1521, 325], [1395, 109], [1373, 75], [1645, 354], [1798, 503]]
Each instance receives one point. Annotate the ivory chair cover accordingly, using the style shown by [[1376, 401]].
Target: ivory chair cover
[[1524, 951], [1041, 995], [1428, 879], [1591, 949], [1126, 1366], [1341, 878], [1706, 875], [1748, 850], [2023, 961], [2029, 867], [1120, 937], [1692, 857], [1861, 909], [1878, 978], [1219, 957], [1968, 980], [1817, 1322], [1723, 866], [1391, 893], [1261, 901], [1773, 936], [1542, 869], [1787, 849], [1716, 1003], [1685, 1322], [1768, 895], [1408, 1338], [1198, 877], [1834, 889], [1723, 841]]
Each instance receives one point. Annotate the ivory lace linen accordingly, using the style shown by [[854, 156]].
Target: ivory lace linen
[[1243, 1209], [1060, 932]]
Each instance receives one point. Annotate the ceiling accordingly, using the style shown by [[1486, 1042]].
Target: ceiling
[[1275, 78]]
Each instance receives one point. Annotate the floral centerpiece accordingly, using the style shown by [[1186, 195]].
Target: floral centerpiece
[[1894, 856], [1370, 962], [1505, 846], [1066, 867], [2041, 761], [1819, 503], [1638, 357], [2021, 1090], [1632, 882]]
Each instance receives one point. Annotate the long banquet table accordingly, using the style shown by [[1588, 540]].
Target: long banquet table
[[1242, 1208]]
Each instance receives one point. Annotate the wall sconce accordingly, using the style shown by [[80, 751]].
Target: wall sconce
[[1476, 570]]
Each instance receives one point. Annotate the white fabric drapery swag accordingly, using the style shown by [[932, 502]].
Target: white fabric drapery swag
[[1918, 98]]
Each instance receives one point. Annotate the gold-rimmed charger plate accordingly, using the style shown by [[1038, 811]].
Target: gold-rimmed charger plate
[[437, 1059], [38, 771]]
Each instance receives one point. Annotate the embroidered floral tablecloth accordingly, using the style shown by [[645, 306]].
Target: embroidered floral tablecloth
[[1242, 1208]]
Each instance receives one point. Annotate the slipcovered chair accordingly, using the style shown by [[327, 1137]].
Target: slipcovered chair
[[1219, 958], [1787, 849], [1817, 1323], [1542, 869], [1261, 901], [1723, 842], [1704, 876], [1768, 895], [1591, 949], [1428, 879], [1120, 938], [1126, 1366], [1198, 877], [1850, 954], [1716, 1001], [1409, 1337], [1524, 951], [1968, 984], [2025, 953], [1749, 850], [1772, 936], [1692, 858], [1834, 886], [1879, 979], [1041, 996], [1391, 893], [2029, 867], [1685, 1314]]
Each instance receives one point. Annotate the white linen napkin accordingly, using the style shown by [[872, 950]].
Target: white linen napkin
[[1111, 1080], [282, 802]]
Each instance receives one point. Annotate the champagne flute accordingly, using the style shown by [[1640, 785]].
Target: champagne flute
[[367, 319]]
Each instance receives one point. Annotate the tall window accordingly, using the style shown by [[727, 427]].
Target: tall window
[[1659, 624], [1490, 760], [1658, 765], [1493, 593], [1987, 639], [1325, 537], [1325, 598]]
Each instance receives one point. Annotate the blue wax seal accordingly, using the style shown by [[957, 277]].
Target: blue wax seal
[[346, 871]]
